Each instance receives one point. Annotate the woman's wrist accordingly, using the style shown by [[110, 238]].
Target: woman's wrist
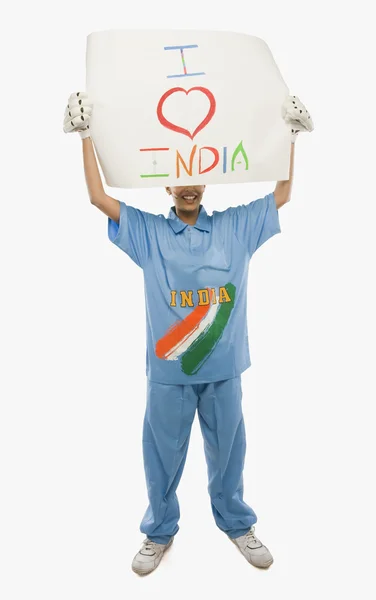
[[84, 134]]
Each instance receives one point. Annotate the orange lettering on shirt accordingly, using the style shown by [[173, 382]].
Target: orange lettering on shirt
[[223, 295], [186, 299], [203, 297]]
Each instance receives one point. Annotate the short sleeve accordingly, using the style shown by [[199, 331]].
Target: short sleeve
[[131, 234], [256, 222]]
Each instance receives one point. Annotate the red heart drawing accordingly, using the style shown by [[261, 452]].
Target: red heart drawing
[[178, 129]]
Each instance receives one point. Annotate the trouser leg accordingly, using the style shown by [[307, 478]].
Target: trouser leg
[[168, 420], [222, 426]]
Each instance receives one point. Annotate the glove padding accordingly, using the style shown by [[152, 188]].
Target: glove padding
[[297, 116], [77, 114]]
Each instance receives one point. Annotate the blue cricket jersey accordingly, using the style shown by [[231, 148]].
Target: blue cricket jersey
[[196, 286]]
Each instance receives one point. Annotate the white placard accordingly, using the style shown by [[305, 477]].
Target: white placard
[[186, 108]]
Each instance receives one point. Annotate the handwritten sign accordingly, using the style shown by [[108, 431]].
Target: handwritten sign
[[186, 108]]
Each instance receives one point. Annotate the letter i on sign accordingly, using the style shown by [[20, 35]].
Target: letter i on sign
[[185, 72], [155, 162]]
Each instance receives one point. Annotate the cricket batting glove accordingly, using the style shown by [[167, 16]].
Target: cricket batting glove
[[77, 114], [296, 116]]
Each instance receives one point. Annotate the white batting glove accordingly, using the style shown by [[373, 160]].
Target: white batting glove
[[77, 114], [296, 116]]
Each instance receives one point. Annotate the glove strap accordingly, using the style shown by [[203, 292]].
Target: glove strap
[[84, 134], [294, 135]]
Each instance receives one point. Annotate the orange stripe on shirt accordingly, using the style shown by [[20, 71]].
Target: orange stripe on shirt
[[180, 330]]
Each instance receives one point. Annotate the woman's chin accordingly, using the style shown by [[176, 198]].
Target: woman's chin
[[190, 204]]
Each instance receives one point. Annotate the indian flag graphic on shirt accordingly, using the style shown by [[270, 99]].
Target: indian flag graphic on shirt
[[194, 338]]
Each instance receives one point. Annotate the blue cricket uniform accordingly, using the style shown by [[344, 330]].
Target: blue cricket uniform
[[197, 347]]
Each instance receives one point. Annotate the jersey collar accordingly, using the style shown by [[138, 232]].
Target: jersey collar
[[202, 223]]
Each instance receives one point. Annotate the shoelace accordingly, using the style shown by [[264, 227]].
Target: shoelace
[[251, 537], [149, 545]]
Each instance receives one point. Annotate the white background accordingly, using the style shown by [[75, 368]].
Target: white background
[[72, 333]]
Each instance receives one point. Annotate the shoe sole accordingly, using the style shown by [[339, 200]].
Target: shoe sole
[[251, 563], [141, 572]]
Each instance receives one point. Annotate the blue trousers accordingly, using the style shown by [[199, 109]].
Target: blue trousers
[[170, 412]]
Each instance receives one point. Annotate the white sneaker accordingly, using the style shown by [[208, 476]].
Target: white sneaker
[[149, 557], [254, 551]]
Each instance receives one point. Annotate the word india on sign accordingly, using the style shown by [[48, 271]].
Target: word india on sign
[[195, 154], [186, 108]]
